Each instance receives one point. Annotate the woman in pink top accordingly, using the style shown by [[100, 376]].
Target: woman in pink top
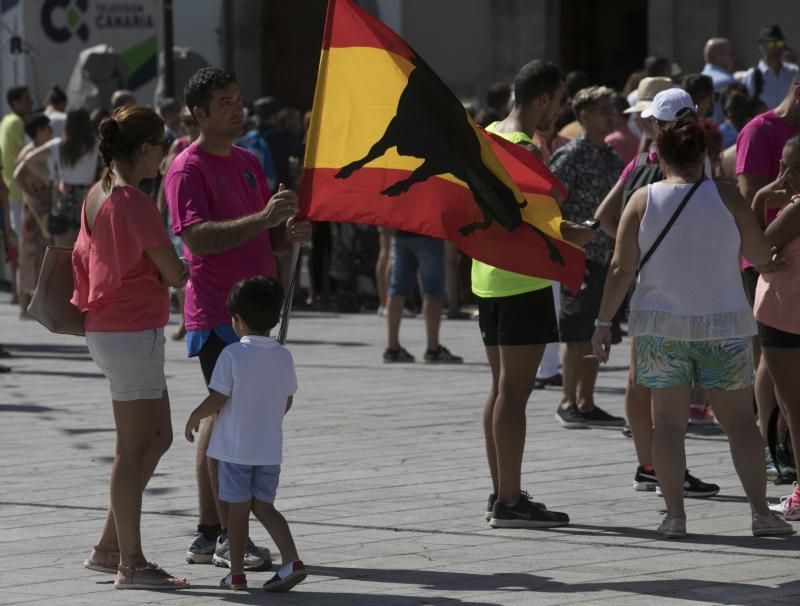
[[778, 313], [122, 263]]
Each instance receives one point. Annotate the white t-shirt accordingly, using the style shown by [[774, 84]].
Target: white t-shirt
[[83, 172], [257, 374], [57, 120]]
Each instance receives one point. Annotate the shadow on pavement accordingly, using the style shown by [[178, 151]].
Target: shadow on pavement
[[785, 543], [25, 408], [703, 591]]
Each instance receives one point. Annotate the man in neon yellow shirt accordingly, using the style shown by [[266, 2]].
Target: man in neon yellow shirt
[[12, 140], [517, 320]]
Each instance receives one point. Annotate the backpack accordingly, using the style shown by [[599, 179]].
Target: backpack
[[643, 173], [255, 142]]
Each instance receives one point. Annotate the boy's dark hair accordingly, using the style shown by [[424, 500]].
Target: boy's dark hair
[[56, 96], [16, 93], [699, 86], [201, 86], [498, 94], [536, 78], [257, 302], [34, 123]]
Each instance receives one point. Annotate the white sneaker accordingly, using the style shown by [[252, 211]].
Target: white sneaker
[[770, 525], [789, 507], [254, 557], [672, 528]]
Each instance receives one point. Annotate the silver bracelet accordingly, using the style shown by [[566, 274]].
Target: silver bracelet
[[598, 322]]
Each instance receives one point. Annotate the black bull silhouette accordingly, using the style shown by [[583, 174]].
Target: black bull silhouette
[[431, 124]]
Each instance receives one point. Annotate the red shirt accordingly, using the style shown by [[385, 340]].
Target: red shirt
[[116, 283]]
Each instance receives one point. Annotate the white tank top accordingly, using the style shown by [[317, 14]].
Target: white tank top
[[691, 288]]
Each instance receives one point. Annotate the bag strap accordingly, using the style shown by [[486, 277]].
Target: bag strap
[[668, 226]]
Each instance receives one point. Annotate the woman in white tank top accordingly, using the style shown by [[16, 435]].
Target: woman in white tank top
[[690, 317]]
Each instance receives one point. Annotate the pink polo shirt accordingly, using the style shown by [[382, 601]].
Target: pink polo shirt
[[203, 187], [116, 283], [760, 144]]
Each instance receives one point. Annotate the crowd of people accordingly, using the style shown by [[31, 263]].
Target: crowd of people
[[682, 189]]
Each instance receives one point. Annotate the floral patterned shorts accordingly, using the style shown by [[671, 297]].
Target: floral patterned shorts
[[725, 364]]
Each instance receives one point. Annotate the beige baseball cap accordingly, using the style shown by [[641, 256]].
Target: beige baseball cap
[[647, 90]]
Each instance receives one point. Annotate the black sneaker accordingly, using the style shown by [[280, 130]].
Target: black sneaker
[[399, 355], [694, 488], [525, 514], [644, 480], [442, 356], [571, 418], [493, 498], [626, 430], [555, 381], [600, 418]]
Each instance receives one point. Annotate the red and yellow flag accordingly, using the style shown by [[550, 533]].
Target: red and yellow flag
[[390, 145]]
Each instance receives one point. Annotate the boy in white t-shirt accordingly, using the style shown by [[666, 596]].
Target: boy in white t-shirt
[[252, 388]]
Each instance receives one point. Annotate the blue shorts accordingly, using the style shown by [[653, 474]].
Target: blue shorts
[[240, 483], [412, 253]]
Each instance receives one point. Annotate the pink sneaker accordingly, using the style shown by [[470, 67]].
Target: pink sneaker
[[700, 414], [789, 507]]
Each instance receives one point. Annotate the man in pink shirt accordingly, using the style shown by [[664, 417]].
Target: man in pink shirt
[[760, 143], [221, 208], [758, 158]]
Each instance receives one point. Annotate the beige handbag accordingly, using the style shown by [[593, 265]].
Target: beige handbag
[[50, 304]]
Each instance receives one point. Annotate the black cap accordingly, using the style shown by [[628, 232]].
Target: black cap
[[266, 107], [770, 33]]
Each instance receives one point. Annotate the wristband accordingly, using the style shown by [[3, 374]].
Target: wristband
[[599, 322]]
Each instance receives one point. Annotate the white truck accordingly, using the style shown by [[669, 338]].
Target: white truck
[[41, 40]]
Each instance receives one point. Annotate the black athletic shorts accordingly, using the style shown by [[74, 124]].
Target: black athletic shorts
[[525, 319], [750, 280], [772, 337], [578, 312], [208, 355]]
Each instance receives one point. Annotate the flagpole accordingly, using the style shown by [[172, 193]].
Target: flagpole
[[287, 302]]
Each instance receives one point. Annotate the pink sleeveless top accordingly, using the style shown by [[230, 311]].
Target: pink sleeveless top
[[778, 293]]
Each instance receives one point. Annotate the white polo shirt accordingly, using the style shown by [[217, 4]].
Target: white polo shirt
[[257, 374], [776, 86]]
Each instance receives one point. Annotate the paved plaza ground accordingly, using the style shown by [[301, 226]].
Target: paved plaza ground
[[384, 484]]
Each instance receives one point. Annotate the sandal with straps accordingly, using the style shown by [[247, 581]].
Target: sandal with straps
[[147, 576], [102, 560]]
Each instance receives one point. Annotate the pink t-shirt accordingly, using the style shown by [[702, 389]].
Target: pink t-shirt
[[760, 144], [777, 293], [624, 142], [116, 283], [203, 187]]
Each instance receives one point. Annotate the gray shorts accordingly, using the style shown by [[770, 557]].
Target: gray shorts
[[132, 361], [240, 483]]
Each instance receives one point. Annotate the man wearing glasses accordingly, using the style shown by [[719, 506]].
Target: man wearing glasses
[[771, 79]]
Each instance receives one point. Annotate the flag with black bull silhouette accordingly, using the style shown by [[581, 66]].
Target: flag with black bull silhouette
[[390, 145]]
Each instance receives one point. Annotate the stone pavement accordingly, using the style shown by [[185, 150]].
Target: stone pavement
[[384, 484]]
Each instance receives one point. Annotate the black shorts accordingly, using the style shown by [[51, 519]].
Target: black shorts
[[773, 337], [750, 280], [578, 312], [208, 355], [525, 319]]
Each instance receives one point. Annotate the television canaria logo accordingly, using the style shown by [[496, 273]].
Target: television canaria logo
[[70, 24]]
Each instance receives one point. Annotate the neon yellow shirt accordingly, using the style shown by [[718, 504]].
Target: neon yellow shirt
[[490, 281], [12, 140]]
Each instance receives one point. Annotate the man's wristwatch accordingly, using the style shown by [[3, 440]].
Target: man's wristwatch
[[599, 322]]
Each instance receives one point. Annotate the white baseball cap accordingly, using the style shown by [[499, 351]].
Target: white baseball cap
[[668, 104]]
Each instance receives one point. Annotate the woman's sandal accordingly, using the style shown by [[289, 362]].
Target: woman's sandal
[[102, 560], [147, 576]]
